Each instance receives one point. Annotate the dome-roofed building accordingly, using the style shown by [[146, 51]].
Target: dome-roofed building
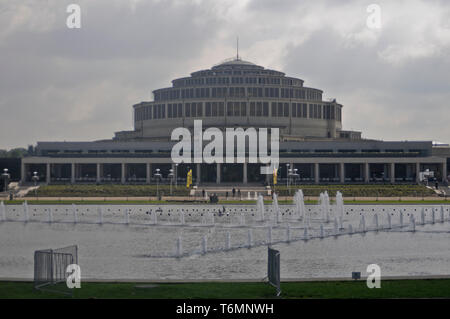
[[238, 93]]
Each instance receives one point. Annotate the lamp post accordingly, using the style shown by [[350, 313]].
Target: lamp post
[[171, 175], [35, 179], [6, 176], [158, 176]]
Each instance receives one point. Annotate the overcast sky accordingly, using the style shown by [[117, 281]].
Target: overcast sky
[[61, 84]]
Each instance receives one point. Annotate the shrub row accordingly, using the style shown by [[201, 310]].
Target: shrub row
[[361, 190], [108, 190]]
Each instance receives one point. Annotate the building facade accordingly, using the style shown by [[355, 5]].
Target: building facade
[[237, 93], [234, 94]]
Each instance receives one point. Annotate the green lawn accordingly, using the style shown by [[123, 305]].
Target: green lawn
[[432, 288]]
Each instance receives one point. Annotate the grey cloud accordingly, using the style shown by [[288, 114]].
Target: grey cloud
[[61, 84]]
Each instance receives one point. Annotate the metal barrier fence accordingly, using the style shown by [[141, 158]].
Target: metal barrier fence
[[50, 267], [273, 269]]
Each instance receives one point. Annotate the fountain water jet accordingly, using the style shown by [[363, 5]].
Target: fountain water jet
[[260, 207], [204, 244], [228, 241], [412, 222], [362, 224], [249, 238], [50, 215], [339, 211], [388, 217], [305, 234], [242, 219], [3, 209], [288, 233], [100, 215], [182, 222], [179, 247], [74, 214], [126, 216], [327, 205], [25, 211], [155, 217], [300, 207], [276, 208]]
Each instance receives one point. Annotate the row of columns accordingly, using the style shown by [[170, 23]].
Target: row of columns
[[317, 172], [341, 169], [98, 172]]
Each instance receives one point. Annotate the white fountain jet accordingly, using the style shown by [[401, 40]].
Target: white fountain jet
[[336, 227], [276, 208], [320, 206], [25, 212], [412, 221], [324, 206], [74, 213], [126, 216], [204, 244], [305, 233], [49, 215], [179, 247], [339, 210], [288, 233], [3, 211], [362, 224], [389, 220], [301, 209], [327, 205], [260, 207], [350, 229], [228, 241], [422, 216], [249, 238], [155, 217], [242, 219], [182, 222], [375, 221], [100, 215]]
